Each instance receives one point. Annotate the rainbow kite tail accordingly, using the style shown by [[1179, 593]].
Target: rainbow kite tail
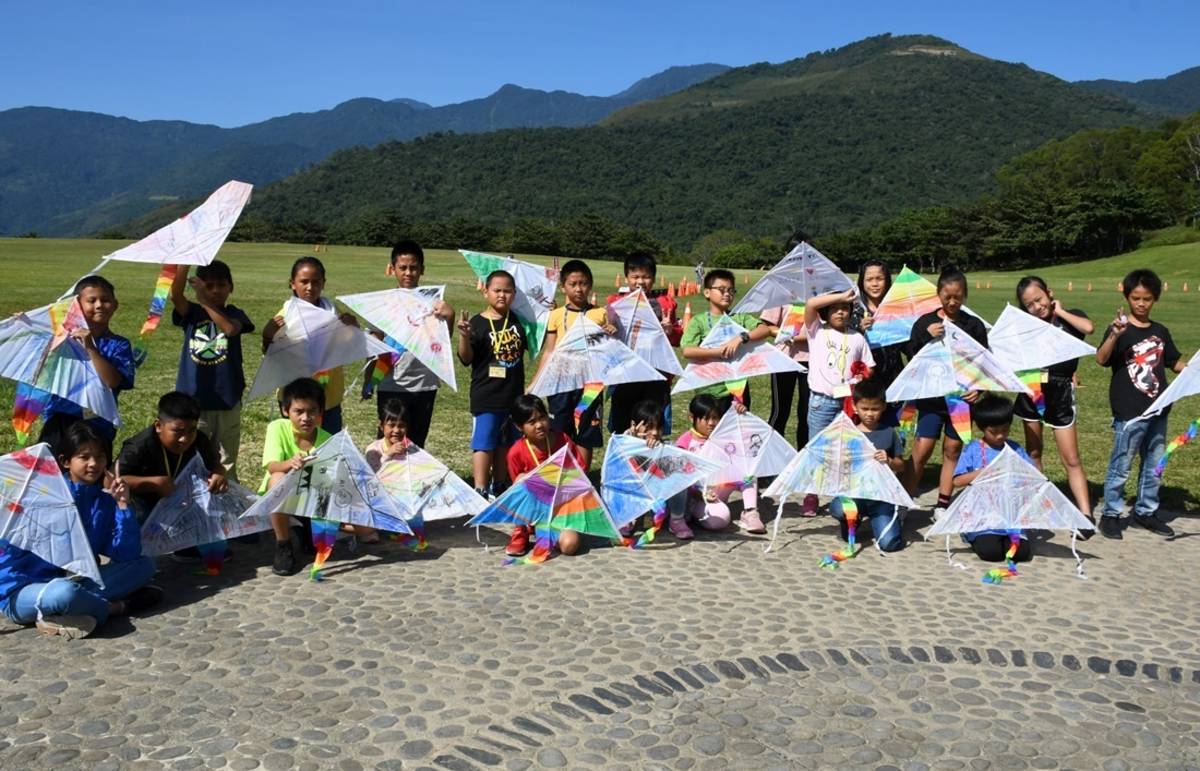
[[27, 408], [1033, 379], [324, 534], [590, 392], [996, 575], [660, 519], [960, 416], [850, 510], [543, 547], [416, 541], [212, 557], [158, 304], [375, 372], [737, 389], [908, 421], [1185, 438]]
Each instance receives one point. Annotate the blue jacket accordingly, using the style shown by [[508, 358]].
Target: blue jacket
[[112, 532]]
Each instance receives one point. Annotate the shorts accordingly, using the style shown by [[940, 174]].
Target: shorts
[[1060, 404], [562, 418], [932, 424], [490, 430]]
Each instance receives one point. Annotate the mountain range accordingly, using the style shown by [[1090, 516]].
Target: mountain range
[[1176, 94]]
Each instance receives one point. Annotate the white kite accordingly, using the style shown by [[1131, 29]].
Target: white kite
[[1028, 345], [1187, 383], [536, 286], [640, 329], [802, 274], [194, 238], [425, 490], [587, 357], [407, 319], [746, 447], [756, 358]]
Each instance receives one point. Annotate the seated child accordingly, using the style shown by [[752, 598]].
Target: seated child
[[993, 415], [870, 403], [33, 591], [393, 442], [646, 423], [537, 443]]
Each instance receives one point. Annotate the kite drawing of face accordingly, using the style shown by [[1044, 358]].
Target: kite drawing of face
[[1140, 362]]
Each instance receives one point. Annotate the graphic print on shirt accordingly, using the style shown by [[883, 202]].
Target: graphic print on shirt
[[208, 344], [506, 345], [1140, 362]]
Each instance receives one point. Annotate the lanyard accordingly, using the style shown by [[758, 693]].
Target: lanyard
[[495, 338], [533, 453], [167, 463]]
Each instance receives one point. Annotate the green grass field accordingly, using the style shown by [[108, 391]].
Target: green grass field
[[36, 271]]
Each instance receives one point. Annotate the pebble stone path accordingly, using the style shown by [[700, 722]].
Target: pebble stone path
[[705, 655]]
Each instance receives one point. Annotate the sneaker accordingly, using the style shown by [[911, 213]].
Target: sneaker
[[285, 559], [190, 554], [518, 542], [143, 598], [1155, 525], [1086, 534], [844, 530], [938, 512], [810, 506], [751, 522], [626, 531], [679, 528], [484, 494], [1110, 527], [70, 627]]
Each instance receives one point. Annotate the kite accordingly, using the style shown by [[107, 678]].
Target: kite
[[554, 496], [746, 447], [335, 486], [37, 351], [756, 358], [638, 328], [1027, 345], [406, 317], [802, 274], [536, 286], [312, 340], [425, 490], [950, 367], [792, 324], [637, 478], [838, 462], [1011, 495], [909, 298], [194, 516], [1186, 384], [586, 358], [194, 238], [38, 513]]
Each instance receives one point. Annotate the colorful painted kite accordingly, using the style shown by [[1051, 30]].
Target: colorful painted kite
[[802, 274], [312, 340], [335, 486], [638, 328], [746, 448], [38, 514], [425, 490], [910, 298], [1028, 345], [553, 497], [1011, 495], [535, 291], [757, 358], [406, 317], [194, 238]]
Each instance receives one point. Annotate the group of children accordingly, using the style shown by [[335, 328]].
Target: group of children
[[512, 431]]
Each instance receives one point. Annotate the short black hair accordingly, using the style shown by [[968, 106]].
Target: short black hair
[[575, 266], [302, 388], [1146, 279], [177, 405], [647, 411], [308, 262], [525, 407], [713, 275], [393, 409], [952, 275], [869, 388], [97, 282], [992, 410], [642, 262], [215, 271], [77, 435], [703, 405], [411, 248], [499, 274]]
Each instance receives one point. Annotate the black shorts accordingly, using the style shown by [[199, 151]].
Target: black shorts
[[562, 418], [1060, 404]]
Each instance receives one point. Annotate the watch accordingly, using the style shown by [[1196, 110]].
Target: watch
[[745, 337]]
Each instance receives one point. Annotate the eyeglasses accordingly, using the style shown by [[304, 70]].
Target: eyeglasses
[[727, 290]]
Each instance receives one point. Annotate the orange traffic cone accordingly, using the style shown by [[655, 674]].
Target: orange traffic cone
[[687, 314], [1070, 286], [617, 281], [478, 285], [671, 289], [592, 299], [1089, 286], [978, 285], [989, 285], [1185, 286], [1121, 287], [1166, 285]]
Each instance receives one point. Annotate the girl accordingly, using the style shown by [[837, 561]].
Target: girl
[[33, 591], [393, 429], [874, 281], [932, 417], [646, 423], [708, 506], [1059, 391], [538, 442], [307, 283]]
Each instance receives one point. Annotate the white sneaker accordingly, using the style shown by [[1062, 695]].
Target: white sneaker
[[938, 512]]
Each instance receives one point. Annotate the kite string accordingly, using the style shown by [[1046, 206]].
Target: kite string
[[1078, 560], [887, 529], [950, 559], [775, 524], [91, 272]]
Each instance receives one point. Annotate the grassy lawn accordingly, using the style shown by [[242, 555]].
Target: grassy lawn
[[39, 270]]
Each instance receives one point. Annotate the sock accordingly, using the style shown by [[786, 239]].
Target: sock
[[943, 501]]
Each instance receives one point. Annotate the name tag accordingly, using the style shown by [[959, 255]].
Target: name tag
[[497, 371], [841, 391]]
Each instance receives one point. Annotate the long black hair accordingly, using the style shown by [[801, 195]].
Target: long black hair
[[862, 275]]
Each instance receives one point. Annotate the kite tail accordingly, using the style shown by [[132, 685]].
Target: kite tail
[[996, 575], [960, 417], [158, 303], [543, 547], [212, 557], [737, 389], [1185, 438], [908, 422], [324, 533], [375, 372], [1033, 379], [850, 509], [590, 392], [27, 408], [660, 519], [416, 541]]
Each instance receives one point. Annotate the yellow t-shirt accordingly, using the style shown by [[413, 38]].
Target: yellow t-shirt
[[561, 319], [334, 380]]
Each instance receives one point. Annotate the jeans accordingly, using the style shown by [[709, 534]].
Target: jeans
[[80, 597], [1146, 438], [879, 514], [822, 410]]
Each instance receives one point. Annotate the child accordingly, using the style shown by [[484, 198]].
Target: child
[[151, 459], [393, 441], [576, 280], [33, 591], [495, 353], [870, 404], [1139, 350], [720, 287], [993, 415], [210, 364], [932, 416], [834, 356], [874, 281], [307, 283], [287, 445], [646, 423], [538, 441], [1059, 392], [110, 354], [640, 272], [411, 381], [786, 385]]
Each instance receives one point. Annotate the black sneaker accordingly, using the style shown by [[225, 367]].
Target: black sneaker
[[190, 554], [1086, 534], [143, 598], [1110, 527], [1155, 525], [285, 559]]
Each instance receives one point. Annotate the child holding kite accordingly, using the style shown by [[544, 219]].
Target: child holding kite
[[874, 281], [720, 287], [707, 506], [640, 272], [393, 441], [787, 326]]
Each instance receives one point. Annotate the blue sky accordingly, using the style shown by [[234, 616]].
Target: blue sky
[[232, 63]]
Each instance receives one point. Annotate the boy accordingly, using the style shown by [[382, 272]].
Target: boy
[[720, 287], [492, 344], [110, 354], [576, 281], [210, 364], [410, 381], [640, 272], [1140, 351], [993, 415], [288, 442], [870, 404]]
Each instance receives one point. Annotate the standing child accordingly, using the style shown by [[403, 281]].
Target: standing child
[[393, 441], [492, 344], [874, 281], [33, 591], [786, 386], [720, 287], [410, 381], [707, 506], [640, 272], [210, 364], [1139, 350]]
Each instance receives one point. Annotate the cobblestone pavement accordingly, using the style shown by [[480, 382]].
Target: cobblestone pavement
[[703, 655]]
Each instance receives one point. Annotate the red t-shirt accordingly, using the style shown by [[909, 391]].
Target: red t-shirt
[[524, 456]]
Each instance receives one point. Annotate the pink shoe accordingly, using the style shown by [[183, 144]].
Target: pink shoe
[[751, 523], [810, 506], [679, 528]]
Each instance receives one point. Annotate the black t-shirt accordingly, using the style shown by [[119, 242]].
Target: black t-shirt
[[919, 338], [498, 348], [1065, 369], [1139, 361], [210, 365], [142, 455]]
